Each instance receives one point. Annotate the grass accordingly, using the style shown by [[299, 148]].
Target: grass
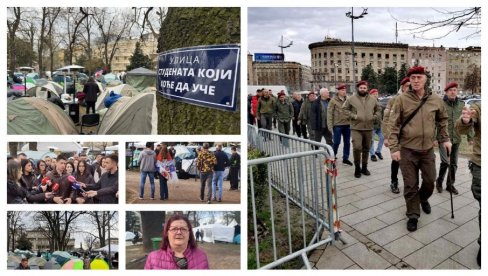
[[263, 214]]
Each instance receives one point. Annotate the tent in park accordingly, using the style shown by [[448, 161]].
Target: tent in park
[[123, 90], [43, 87], [216, 232], [131, 115], [36, 116], [140, 78]]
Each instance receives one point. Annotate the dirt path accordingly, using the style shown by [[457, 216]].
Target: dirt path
[[220, 255], [186, 191]]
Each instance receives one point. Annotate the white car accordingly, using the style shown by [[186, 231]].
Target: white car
[[469, 102]]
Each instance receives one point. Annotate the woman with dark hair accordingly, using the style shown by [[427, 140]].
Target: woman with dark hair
[[164, 156], [15, 192], [82, 175], [28, 179], [70, 168], [41, 171], [178, 249]]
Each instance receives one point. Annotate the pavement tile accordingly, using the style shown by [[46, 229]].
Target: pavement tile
[[371, 201], [393, 216], [450, 264], [465, 234], [433, 231], [368, 226], [352, 190], [467, 256], [390, 233], [365, 258], [333, 258], [458, 202], [403, 246], [348, 199], [432, 255], [362, 215], [347, 209], [437, 213], [371, 192], [392, 204], [463, 215], [354, 267], [350, 240]]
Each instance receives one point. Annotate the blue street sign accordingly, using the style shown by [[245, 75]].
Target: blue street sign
[[203, 75], [259, 57]]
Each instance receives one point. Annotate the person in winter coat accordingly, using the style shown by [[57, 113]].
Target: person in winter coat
[[179, 248], [91, 91], [147, 165]]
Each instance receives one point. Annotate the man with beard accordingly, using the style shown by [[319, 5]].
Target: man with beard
[[362, 110], [283, 112], [265, 110], [413, 124]]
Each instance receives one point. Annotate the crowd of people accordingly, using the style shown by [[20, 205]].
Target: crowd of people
[[413, 122], [63, 180], [160, 161]]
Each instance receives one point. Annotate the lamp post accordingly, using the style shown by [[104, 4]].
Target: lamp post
[[283, 61], [396, 76], [352, 16]]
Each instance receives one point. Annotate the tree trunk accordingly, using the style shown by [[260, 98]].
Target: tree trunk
[[152, 227], [185, 27], [13, 148]]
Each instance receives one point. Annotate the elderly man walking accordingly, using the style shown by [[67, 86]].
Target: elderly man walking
[[339, 123], [413, 123]]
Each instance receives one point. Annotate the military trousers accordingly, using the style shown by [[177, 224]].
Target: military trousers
[[448, 164], [361, 142], [411, 163]]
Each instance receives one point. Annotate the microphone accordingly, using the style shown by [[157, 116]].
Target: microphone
[[45, 181], [55, 187], [75, 184]]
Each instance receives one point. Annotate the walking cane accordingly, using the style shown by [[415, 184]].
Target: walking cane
[[449, 177]]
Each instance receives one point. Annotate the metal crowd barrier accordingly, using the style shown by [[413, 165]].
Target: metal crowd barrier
[[305, 177]]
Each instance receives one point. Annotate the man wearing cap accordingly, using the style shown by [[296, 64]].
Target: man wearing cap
[[411, 142], [283, 112], [299, 129], [395, 165], [319, 117], [338, 121], [265, 109], [454, 108], [376, 130], [362, 110], [306, 113]]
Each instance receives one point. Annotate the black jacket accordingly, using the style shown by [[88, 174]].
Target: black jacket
[[316, 118], [296, 108], [106, 187], [222, 160], [91, 90], [19, 195]]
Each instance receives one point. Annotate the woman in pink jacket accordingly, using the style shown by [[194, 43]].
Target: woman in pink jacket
[[178, 249]]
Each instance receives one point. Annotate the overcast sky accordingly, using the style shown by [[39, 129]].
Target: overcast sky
[[308, 25]]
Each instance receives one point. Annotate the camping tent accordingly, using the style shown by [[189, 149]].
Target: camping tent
[[136, 115], [38, 155], [123, 90], [182, 152], [113, 248], [108, 77], [41, 89], [216, 232], [37, 116], [141, 78]]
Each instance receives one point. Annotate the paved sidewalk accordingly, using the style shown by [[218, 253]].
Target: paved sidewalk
[[374, 224]]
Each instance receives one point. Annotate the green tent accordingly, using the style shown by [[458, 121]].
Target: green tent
[[141, 78], [34, 116]]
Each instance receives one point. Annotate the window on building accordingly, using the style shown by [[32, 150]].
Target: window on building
[[363, 55], [339, 63], [332, 70], [340, 78], [331, 54], [439, 75], [387, 56], [402, 57], [339, 70], [320, 55], [339, 54], [332, 78], [325, 54], [348, 78], [371, 55], [379, 55]]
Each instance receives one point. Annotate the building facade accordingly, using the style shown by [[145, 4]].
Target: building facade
[[434, 59], [331, 61], [41, 243], [460, 61], [293, 75]]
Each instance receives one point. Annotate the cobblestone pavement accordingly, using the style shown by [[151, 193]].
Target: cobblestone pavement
[[374, 224]]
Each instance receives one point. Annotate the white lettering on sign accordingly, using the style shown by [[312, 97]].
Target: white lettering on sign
[[183, 60], [214, 74], [206, 89]]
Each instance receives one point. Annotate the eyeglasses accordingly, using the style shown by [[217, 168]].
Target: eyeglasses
[[176, 229]]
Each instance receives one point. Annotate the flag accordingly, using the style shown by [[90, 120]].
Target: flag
[[98, 73]]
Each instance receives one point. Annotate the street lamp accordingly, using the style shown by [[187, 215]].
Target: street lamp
[[396, 75], [352, 16], [283, 61]]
